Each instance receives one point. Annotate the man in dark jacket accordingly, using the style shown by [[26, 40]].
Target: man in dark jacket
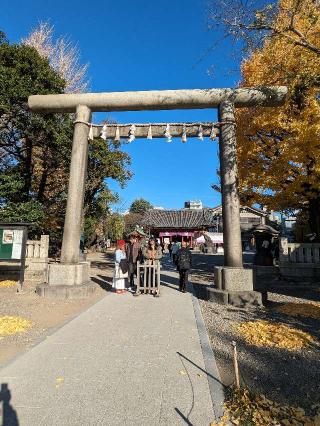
[[184, 265], [132, 253]]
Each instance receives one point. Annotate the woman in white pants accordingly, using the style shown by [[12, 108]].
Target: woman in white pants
[[119, 277]]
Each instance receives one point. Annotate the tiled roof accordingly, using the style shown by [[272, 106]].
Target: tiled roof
[[188, 218], [184, 218], [258, 212]]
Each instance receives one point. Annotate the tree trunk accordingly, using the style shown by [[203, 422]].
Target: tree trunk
[[314, 217], [27, 173], [44, 177], [42, 185]]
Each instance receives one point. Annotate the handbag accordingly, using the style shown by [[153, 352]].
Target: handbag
[[124, 266]]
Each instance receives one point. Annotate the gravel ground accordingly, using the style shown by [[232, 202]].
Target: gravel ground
[[291, 378]]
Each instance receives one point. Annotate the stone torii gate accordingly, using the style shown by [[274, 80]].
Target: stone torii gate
[[71, 275]]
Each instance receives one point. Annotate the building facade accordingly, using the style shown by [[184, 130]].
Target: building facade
[[188, 223]]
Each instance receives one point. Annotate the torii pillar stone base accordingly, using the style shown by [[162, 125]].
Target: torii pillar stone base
[[67, 281], [234, 286]]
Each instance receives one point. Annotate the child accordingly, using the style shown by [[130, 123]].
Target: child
[[119, 277]]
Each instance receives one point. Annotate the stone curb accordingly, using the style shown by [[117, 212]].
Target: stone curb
[[214, 380]]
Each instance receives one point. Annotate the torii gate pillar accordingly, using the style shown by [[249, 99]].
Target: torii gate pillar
[[229, 186], [71, 277], [234, 284], [78, 171]]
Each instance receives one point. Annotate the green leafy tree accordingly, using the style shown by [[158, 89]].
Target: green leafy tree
[[35, 150], [25, 138], [2, 37], [140, 206], [115, 226], [136, 212], [105, 161], [131, 221]]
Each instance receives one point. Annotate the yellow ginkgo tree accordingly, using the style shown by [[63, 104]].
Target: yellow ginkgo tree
[[279, 148]]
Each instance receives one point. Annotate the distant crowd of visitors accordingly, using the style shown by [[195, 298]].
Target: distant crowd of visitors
[[149, 251]]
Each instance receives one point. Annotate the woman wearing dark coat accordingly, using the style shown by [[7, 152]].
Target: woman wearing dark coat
[[183, 262]]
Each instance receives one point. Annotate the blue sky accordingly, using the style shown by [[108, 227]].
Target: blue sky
[[144, 45]]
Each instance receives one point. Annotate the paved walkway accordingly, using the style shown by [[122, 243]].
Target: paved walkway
[[125, 361]]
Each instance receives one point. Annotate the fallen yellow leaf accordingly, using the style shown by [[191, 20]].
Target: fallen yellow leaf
[[7, 283], [243, 407], [265, 333], [311, 309], [12, 325]]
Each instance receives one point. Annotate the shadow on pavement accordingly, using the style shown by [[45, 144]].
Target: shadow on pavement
[[200, 368], [168, 281], [182, 360], [173, 281], [183, 417], [107, 261], [9, 415], [103, 281]]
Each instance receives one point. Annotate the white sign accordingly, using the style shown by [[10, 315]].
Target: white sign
[[17, 236], [7, 237], [16, 251]]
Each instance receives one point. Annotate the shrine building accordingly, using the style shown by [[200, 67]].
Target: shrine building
[[188, 223]]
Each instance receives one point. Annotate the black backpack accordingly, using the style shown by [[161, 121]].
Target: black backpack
[[184, 259]]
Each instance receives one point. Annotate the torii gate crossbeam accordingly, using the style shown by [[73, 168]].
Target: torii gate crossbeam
[[158, 99]]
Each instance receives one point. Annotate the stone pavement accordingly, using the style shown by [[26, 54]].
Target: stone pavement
[[124, 361]]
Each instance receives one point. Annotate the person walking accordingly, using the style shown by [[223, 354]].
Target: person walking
[[184, 262], [163, 247], [174, 250], [120, 268], [132, 253], [170, 249]]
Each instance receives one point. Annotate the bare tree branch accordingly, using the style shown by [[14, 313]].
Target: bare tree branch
[[251, 22], [63, 56]]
